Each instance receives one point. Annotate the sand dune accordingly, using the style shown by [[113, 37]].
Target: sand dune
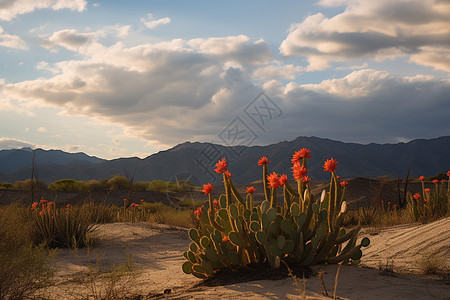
[[157, 254]]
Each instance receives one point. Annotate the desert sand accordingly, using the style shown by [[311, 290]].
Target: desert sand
[[156, 252]]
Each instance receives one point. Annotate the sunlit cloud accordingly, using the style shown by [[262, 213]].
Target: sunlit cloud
[[380, 30], [151, 23], [12, 8]]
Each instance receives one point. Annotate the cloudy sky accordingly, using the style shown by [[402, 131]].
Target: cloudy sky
[[130, 78]]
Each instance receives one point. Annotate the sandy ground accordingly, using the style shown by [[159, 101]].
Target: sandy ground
[[156, 252]]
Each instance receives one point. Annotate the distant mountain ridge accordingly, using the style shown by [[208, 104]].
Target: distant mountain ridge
[[195, 161]]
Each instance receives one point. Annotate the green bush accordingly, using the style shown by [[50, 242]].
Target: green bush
[[119, 183], [30, 184]]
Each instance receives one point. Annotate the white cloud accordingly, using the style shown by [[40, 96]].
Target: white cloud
[[419, 29], [274, 72], [163, 89], [11, 41], [9, 9], [235, 48], [44, 66], [69, 39], [42, 129], [9, 143], [151, 23]]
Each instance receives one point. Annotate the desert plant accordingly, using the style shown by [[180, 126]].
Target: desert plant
[[431, 204], [119, 183], [233, 232], [60, 227], [24, 267]]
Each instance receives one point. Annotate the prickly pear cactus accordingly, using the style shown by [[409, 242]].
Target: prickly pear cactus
[[301, 230]]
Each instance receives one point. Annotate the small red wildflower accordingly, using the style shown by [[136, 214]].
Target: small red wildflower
[[422, 178], [274, 180], [416, 196], [283, 178], [198, 212], [215, 202], [344, 183], [207, 188], [142, 200], [225, 239], [427, 190], [33, 206], [306, 179], [68, 205], [136, 205], [250, 190], [263, 161], [299, 171], [228, 174], [221, 166], [448, 174], [330, 165], [124, 200], [435, 181]]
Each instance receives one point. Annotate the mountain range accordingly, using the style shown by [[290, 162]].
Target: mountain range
[[195, 161]]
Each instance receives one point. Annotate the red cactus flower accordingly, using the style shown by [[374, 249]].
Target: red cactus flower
[[427, 190], [41, 212], [344, 183], [225, 239], [416, 196], [330, 165], [215, 202], [136, 205], [283, 179], [422, 178], [33, 206], [221, 166], [274, 180], [207, 188], [68, 205], [124, 200], [300, 154], [435, 181], [298, 171], [448, 174], [228, 174], [142, 200], [306, 179], [250, 190], [263, 161]]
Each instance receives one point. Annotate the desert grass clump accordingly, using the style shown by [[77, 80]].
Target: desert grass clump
[[24, 267], [432, 203], [60, 227], [432, 263]]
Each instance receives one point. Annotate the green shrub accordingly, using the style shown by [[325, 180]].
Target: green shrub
[[30, 184], [119, 183], [5, 185]]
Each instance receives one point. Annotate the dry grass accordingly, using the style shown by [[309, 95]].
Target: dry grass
[[24, 267], [433, 263]]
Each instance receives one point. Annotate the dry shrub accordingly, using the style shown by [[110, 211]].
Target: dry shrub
[[432, 263], [24, 267]]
